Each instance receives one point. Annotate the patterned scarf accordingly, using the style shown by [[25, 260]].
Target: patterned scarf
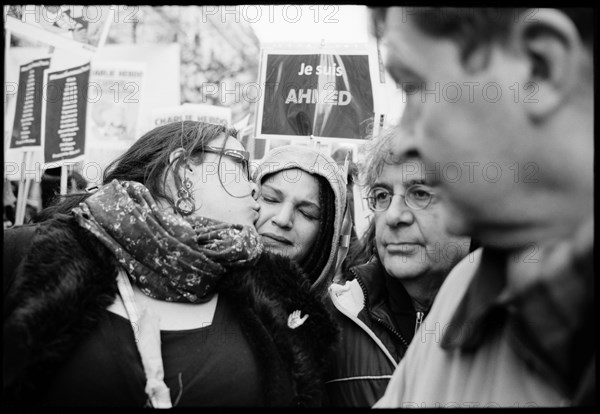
[[168, 257]]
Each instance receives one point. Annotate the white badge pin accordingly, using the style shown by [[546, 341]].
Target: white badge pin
[[294, 320]]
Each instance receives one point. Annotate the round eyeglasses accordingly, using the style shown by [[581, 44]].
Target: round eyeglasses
[[416, 197], [239, 156]]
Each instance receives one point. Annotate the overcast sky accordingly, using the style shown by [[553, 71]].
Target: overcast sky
[[308, 23]]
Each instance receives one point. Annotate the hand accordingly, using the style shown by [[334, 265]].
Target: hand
[[294, 320]]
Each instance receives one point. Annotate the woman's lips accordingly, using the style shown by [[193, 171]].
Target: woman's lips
[[276, 238]]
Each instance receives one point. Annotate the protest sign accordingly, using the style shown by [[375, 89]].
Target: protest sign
[[66, 104], [212, 114], [159, 87], [27, 126], [81, 29], [115, 101], [191, 112], [319, 92], [161, 77]]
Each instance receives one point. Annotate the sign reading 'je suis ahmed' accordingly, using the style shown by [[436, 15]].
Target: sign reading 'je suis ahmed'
[[326, 95]]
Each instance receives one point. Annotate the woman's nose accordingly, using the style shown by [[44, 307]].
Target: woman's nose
[[284, 217]]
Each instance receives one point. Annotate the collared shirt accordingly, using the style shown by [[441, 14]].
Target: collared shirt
[[550, 322], [506, 333]]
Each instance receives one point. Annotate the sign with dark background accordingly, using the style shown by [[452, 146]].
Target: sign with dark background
[[27, 127], [66, 104], [324, 95]]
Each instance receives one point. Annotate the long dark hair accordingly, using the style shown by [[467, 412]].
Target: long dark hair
[[314, 262], [147, 161]]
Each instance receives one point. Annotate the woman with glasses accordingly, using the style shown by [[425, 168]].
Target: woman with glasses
[[384, 301], [303, 202], [155, 289]]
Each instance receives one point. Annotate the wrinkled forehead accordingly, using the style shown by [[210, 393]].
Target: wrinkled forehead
[[407, 170]]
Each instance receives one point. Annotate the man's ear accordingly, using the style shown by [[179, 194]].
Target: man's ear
[[555, 51]]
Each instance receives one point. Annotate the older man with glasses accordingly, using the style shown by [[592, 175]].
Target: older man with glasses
[[384, 301]]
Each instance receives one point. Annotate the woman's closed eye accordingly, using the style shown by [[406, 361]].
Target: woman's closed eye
[[309, 214], [269, 198]]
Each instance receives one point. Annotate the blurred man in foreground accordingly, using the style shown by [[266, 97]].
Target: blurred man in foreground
[[500, 104]]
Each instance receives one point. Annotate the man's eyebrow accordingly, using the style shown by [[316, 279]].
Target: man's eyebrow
[[406, 183], [382, 185], [414, 181]]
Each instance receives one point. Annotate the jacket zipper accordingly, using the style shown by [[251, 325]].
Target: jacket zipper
[[420, 316], [375, 317]]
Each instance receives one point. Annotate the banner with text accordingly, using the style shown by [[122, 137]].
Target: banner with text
[[66, 105], [27, 126], [328, 94], [191, 112]]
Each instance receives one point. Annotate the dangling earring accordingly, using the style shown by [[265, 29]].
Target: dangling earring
[[185, 204]]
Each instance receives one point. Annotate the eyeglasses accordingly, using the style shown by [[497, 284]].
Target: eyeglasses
[[239, 156], [417, 197]]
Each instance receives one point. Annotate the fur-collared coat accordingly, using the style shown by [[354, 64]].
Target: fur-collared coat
[[59, 280]]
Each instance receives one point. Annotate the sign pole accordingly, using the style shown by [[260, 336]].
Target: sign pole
[[21, 195], [64, 173], [27, 186]]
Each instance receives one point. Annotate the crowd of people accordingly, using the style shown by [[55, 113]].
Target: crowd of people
[[189, 278]]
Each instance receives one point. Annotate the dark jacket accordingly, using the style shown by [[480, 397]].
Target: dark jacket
[[374, 337], [67, 278]]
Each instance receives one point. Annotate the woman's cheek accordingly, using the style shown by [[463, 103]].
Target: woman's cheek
[[263, 214]]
